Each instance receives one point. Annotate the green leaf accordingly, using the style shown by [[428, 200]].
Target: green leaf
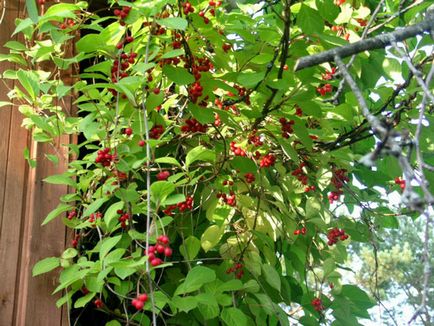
[[160, 190], [271, 276], [167, 160], [60, 179], [196, 278], [250, 79], [233, 316], [94, 206], [178, 75], [113, 323], [185, 304], [81, 302], [55, 212], [111, 215], [208, 306], [173, 54], [174, 23], [22, 25], [232, 285], [309, 20], [357, 296], [107, 245], [45, 265], [32, 10], [190, 248], [211, 237], [199, 153], [29, 80]]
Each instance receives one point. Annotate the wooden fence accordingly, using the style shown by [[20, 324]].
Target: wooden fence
[[24, 202]]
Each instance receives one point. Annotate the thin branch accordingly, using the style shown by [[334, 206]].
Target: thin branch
[[377, 42]]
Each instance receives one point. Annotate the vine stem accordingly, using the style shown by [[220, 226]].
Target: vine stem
[[148, 188]]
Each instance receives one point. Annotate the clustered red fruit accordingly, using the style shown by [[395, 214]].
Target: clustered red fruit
[[300, 231], [238, 151], [327, 88], [119, 68], [182, 207], [298, 111], [195, 91], [75, 240], [104, 157], [230, 200], [254, 139], [139, 301], [301, 176], [217, 121], [72, 214], [122, 14], [192, 125], [250, 178], [98, 303], [226, 47], [362, 22], [67, 23], [187, 8], [400, 182], [267, 161], [334, 235], [94, 216], [163, 175], [156, 131], [286, 127], [227, 183], [123, 218], [329, 74], [237, 269], [161, 248], [317, 304], [338, 180]]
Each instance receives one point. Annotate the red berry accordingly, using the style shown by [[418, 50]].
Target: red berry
[[168, 252], [142, 297], [138, 304], [98, 303], [141, 143], [128, 131], [156, 91]]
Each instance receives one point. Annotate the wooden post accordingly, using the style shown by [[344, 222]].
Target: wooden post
[[24, 202]]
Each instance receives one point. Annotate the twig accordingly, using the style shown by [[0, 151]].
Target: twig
[[377, 42]]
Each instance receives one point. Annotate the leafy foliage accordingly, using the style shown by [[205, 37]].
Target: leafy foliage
[[211, 176]]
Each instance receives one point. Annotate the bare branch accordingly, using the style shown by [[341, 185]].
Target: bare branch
[[378, 42]]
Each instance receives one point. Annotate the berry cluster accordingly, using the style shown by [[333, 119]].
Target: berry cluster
[[329, 74], [72, 214], [267, 161], [104, 157], [338, 180], [362, 22], [156, 131], [237, 269], [301, 176], [123, 218], [226, 47], [250, 178], [334, 235], [119, 68], [195, 91], [327, 88], [286, 127], [300, 231], [230, 200], [203, 65], [187, 8], [161, 248], [98, 303], [94, 216], [217, 121], [127, 39], [227, 183], [163, 175], [122, 14], [183, 206], [238, 151], [298, 111], [67, 23], [139, 301], [317, 304], [192, 125], [74, 242], [400, 182], [254, 139]]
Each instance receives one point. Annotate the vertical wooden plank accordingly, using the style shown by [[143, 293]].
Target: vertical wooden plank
[[12, 180]]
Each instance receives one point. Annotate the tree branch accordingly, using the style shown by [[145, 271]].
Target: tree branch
[[378, 42]]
